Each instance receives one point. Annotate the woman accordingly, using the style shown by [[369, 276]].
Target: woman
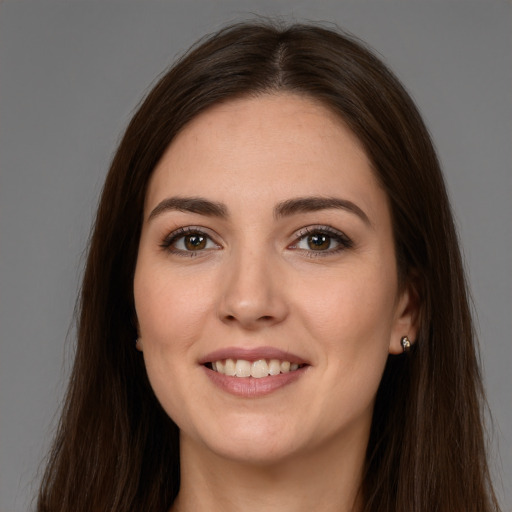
[[274, 313]]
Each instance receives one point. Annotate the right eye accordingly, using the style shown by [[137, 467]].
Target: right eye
[[188, 241]]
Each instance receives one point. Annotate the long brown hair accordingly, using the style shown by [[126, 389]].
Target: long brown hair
[[117, 450]]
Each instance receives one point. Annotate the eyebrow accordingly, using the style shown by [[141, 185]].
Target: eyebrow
[[314, 203], [286, 208], [191, 205]]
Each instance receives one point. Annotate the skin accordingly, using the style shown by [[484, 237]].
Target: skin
[[258, 282]]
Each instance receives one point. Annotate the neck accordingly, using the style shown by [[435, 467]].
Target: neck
[[326, 478]]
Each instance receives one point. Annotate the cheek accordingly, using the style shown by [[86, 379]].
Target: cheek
[[352, 321], [170, 307], [352, 325], [355, 306], [170, 312]]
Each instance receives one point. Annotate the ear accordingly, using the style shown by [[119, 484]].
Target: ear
[[138, 340], [407, 315]]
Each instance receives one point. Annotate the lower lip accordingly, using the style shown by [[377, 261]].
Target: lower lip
[[249, 387]]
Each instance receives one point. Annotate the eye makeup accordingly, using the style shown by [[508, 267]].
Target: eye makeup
[[313, 241], [320, 241]]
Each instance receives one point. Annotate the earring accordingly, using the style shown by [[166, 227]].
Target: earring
[[406, 344], [138, 344]]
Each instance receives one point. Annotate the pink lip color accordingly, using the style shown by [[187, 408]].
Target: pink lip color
[[251, 354], [249, 387]]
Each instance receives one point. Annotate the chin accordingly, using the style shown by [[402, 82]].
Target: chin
[[257, 441], [257, 452]]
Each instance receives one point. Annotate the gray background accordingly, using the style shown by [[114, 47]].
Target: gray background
[[71, 74]]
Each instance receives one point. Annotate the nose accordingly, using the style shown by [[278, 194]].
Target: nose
[[253, 293]]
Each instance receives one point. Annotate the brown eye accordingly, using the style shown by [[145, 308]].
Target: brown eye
[[194, 242], [319, 242], [189, 241]]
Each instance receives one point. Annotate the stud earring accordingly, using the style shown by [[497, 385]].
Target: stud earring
[[406, 344], [138, 344]]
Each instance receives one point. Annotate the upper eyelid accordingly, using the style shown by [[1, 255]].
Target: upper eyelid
[[342, 238], [297, 235], [319, 228], [185, 230], [182, 231]]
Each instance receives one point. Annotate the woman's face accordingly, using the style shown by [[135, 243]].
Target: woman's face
[[266, 246]]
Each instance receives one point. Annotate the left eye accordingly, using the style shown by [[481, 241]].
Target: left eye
[[317, 242], [193, 242], [322, 241]]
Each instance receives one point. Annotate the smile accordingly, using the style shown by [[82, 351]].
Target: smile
[[256, 369], [253, 372]]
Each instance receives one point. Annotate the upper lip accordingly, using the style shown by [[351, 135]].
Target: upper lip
[[251, 354]]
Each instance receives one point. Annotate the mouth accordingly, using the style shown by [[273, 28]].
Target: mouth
[[253, 372], [257, 369]]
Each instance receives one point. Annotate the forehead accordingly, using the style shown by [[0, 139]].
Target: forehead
[[273, 146]]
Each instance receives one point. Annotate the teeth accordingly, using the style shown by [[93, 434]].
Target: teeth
[[230, 368], [259, 369], [256, 369], [243, 368], [274, 367]]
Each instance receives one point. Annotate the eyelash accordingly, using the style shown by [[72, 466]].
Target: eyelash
[[340, 238], [343, 241], [171, 239]]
